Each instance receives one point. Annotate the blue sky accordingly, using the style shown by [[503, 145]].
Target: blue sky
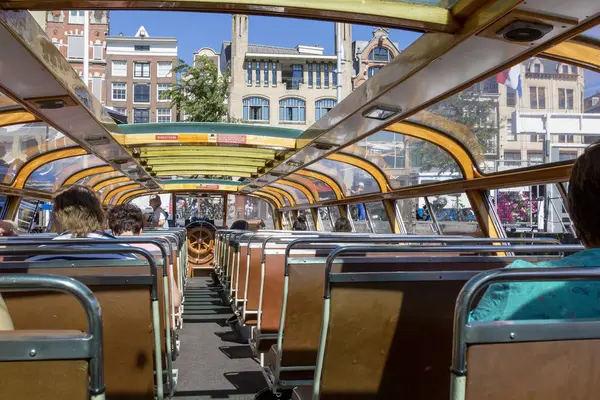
[[196, 30]]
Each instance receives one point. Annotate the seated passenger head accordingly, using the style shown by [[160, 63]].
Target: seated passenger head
[[240, 224], [300, 223], [126, 219], [342, 224], [584, 195], [155, 202], [78, 211]]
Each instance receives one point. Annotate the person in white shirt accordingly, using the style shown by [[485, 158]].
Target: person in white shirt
[[158, 219]]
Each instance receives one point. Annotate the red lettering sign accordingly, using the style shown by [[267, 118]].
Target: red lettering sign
[[231, 139], [212, 187], [166, 137]]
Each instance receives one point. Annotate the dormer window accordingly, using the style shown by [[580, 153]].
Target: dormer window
[[380, 54], [564, 69], [537, 68]]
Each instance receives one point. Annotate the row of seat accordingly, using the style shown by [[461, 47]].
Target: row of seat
[[359, 316], [139, 323]]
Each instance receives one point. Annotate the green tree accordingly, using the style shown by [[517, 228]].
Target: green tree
[[200, 94], [468, 114]]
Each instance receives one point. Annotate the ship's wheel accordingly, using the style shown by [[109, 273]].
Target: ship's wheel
[[201, 240]]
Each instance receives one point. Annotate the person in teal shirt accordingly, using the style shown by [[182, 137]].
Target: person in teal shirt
[[557, 300]]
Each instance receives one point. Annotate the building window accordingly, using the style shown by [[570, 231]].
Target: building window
[[164, 69], [534, 158], [334, 77], [326, 75], [75, 49], [310, 75], [373, 71], [565, 99], [537, 68], [322, 107], [161, 92], [119, 68], [537, 97], [249, 68], [141, 47], [141, 69], [141, 93], [566, 138], [141, 115], [318, 72], [121, 110], [292, 109], [97, 51], [54, 16], [98, 17], [380, 54], [565, 69], [266, 73], [536, 138], [565, 156], [297, 75], [97, 86], [512, 158], [274, 73], [511, 97], [573, 69], [77, 17], [255, 109], [258, 72], [163, 115], [510, 134], [119, 91]]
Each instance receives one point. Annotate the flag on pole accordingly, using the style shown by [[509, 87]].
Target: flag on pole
[[511, 78]]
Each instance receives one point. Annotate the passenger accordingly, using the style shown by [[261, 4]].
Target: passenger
[[127, 220], [300, 224], [557, 300], [8, 228], [158, 219], [342, 225], [79, 213], [240, 224]]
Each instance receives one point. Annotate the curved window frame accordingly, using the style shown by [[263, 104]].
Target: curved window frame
[[380, 54], [333, 171], [63, 173], [292, 109], [323, 106], [299, 197], [263, 108]]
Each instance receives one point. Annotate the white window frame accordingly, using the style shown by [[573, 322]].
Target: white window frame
[[114, 72], [149, 69], [117, 109], [78, 18], [158, 115], [70, 47], [158, 90], [97, 47], [169, 72], [112, 91]]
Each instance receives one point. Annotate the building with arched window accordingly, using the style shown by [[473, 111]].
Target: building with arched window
[[371, 56], [292, 109]]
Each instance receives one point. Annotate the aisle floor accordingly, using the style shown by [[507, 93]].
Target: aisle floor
[[212, 365]]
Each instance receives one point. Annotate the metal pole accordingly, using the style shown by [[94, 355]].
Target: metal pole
[[86, 48], [340, 55]]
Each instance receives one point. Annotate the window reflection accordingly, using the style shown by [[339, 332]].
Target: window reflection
[[353, 181], [51, 176]]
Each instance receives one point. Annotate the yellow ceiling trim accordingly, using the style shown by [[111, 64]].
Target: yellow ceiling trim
[[198, 139], [366, 166], [16, 117], [122, 197], [107, 196], [223, 167], [199, 187], [195, 151], [302, 188], [43, 159], [111, 181], [282, 193], [193, 160], [325, 179], [87, 172], [193, 172], [269, 196], [461, 155], [573, 52]]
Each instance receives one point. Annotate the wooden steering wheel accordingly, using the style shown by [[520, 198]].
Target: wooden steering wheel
[[201, 240]]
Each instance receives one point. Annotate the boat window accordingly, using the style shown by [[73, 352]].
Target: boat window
[[536, 210], [20, 143], [352, 180], [454, 215], [299, 197], [108, 193], [309, 220], [378, 217], [28, 209], [503, 120], [287, 220], [320, 190], [358, 216], [326, 221], [51, 176], [3, 200], [93, 180], [248, 208], [405, 160], [6, 103], [416, 217]]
